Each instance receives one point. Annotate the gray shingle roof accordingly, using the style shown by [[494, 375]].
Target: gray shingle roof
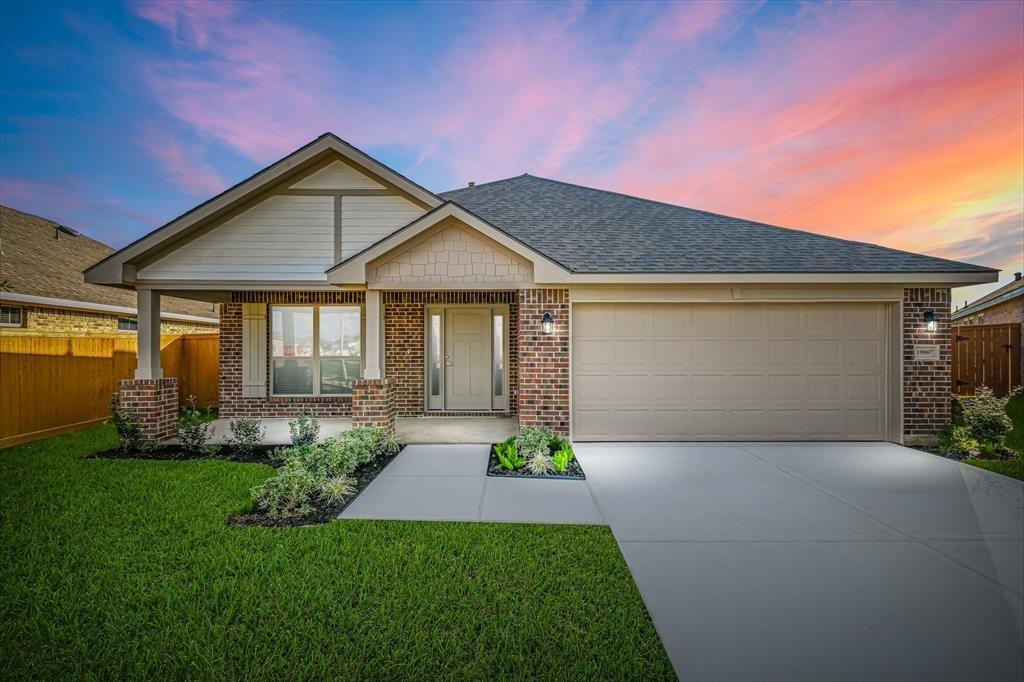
[[592, 230]]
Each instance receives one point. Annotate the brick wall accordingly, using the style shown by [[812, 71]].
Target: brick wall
[[544, 360], [373, 404], [232, 404], [1001, 313], [155, 401], [404, 343], [926, 383], [41, 319]]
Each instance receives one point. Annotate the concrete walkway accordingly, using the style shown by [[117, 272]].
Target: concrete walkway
[[819, 561], [449, 483], [408, 429]]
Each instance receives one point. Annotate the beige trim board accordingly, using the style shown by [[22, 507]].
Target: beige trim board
[[328, 146], [917, 279], [722, 293]]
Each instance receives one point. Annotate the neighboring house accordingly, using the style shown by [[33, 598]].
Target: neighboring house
[[347, 289], [1002, 306], [42, 288]]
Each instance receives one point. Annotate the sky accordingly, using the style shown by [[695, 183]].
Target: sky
[[899, 124]]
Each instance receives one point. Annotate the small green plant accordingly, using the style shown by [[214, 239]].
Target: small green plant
[[390, 446], [1014, 438], [129, 426], [984, 414], [562, 457], [540, 464], [957, 441], [290, 493], [988, 450], [508, 455], [304, 429], [534, 440], [246, 435], [338, 488], [193, 428]]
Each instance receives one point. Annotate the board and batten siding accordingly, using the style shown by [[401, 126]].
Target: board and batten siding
[[285, 237], [365, 220], [337, 175]]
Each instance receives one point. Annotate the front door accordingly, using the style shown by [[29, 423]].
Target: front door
[[467, 363]]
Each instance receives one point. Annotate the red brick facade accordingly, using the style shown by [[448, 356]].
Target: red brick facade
[[405, 345], [544, 360], [926, 383], [373, 404], [155, 402], [232, 404]]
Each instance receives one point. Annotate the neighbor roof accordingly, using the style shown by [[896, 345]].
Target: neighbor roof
[[1014, 289], [595, 231], [37, 260]]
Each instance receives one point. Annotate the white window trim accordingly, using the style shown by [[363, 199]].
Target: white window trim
[[316, 347], [127, 331], [21, 317]]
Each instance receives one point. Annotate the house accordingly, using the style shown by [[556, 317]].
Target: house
[[346, 289], [1004, 305], [42, 289]]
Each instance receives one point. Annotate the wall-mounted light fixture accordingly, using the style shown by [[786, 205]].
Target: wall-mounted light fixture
[[930, 323], [547, 325]]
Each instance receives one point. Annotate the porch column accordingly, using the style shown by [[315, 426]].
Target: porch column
[[149, 335], [374, 340]]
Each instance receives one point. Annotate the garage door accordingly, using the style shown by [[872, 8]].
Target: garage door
[[729, 371]]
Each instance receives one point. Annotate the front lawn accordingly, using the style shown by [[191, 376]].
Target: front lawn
[[126, 569], [1014, 468]]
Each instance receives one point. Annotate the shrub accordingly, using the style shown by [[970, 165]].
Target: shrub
[[390, 446], [366, 440], [337, 488], [290, 493], [129, 426], [958, 441], [304, 429], [540, 464], [562, 457], [508, 454], [1014, 438], [337, 456], [985, 416], [246, 435], [194, 429], [534, 440]]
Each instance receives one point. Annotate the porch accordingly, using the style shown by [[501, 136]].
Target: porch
[[419, 430]]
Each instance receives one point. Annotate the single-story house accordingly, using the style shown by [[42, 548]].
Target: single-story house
[[347, 289], [42, 289], [1002, 306]]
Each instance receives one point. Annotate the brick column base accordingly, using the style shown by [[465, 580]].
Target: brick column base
[[155, 401], [373, 404]]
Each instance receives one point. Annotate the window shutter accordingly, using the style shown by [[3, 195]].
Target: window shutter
[[254, 350]]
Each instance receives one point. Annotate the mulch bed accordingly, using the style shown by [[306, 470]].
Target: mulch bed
[[363, 474], [573, 472], [261, 455]]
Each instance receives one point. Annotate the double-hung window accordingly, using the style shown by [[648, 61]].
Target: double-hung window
[[315, 349]]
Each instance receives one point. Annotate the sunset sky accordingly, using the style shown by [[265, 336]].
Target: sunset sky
[[899, 124]]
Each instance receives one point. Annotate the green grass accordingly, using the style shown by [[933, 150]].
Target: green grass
[[1014, 468], [125, 569]]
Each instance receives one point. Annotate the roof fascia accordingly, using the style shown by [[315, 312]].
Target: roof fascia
[[978, 307], [68, 304], [943, 279]]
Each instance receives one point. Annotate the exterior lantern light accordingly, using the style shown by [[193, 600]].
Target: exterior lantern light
[[547, 324], [930, 322]]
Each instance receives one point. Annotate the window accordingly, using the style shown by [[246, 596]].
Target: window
[[10, 316], [127, 324], [315, 350]]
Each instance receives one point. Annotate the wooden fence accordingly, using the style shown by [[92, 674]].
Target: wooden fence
[[986, 354], [55, 383]]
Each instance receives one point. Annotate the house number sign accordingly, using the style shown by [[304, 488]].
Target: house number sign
[[926, 352]]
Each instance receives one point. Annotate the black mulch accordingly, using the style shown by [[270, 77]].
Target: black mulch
[[261, 455], [573, 472], [364, 475]]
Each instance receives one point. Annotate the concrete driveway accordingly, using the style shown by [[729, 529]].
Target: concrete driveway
[[819, 561]]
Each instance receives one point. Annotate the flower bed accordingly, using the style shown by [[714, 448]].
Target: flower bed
[[534, 453]]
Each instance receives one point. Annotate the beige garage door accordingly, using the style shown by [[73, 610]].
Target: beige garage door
[[729, 371]]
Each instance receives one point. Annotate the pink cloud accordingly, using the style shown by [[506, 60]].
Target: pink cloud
[[184, 166]]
